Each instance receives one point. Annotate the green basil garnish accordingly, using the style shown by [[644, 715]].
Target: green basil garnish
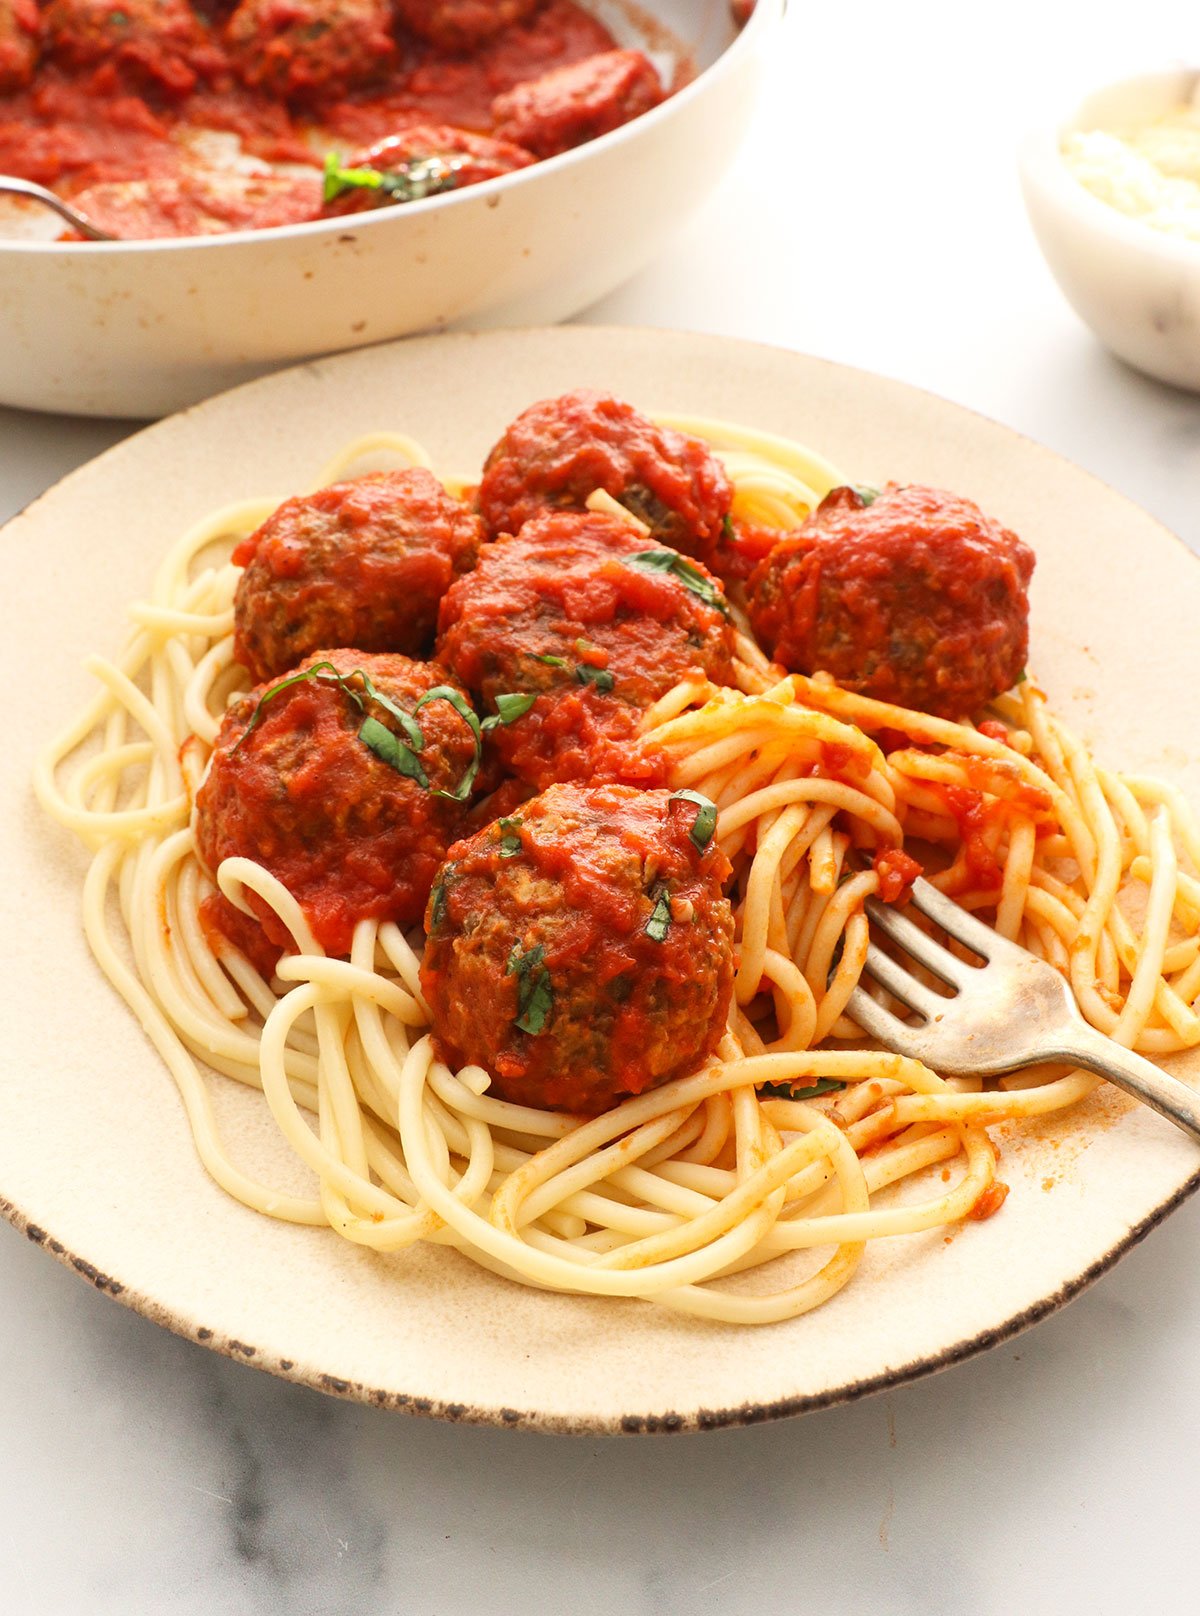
[[313, 673], [705, 823], [600, 677], [437, 898], [510, 841], [535, 994], [465, 711], [414, 180], [659, 923], [785, 1091], [692, 579], [509, 707], [550, 661], [339, 180], [390, 749], [865, 492], [398, 754]]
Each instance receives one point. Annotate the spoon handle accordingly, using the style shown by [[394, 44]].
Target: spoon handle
[[12, 186]]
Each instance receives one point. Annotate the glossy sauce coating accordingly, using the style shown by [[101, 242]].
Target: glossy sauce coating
[[122, 87], [917, 598], [310, 47], [592, 917], [576, 103], [563, 612], [363, 563], [303, 795], [462, 25], [561, 450]]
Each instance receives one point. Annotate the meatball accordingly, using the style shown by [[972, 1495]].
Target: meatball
[[582, 950], [310, 47], [562, 450], [161, 43], [469, 159], [572, 104], [362, 563], [306, 779], [19, 24], [913, 596], [592, 623], [463, 25]]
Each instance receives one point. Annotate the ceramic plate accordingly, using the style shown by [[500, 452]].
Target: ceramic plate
[[96, 1159]]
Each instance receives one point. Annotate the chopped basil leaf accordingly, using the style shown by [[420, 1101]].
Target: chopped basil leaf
[[412, 730], [728, 531], [535, 995], [659, 923], [510, 706], [339, 180], [785, 1091], [437, 900], [313, 673], [465, 711], [510, 841], [414, 180], [550, 661], [537, 1001], [400, 755], [706, 819], [457, 700], [519, 961], [865, 492], [378, 738], [692, 579], [600, 677], [1022, 676]]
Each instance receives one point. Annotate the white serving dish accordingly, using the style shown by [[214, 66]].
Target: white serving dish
[[1137, 287], [144, 328]]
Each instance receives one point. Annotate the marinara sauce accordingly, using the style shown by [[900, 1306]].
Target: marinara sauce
[[581, 949], [114, 92]]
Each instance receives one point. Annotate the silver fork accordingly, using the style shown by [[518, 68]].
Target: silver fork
[[1011, 1012]]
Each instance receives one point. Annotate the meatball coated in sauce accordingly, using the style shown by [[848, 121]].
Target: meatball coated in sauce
[[301, 792], [582, 949], [463, 25], [559, 452], [160, 43], [567, 613], [363, 563], [917, 598], [474, 158], [309, 47], [19, 24], [572, 104]]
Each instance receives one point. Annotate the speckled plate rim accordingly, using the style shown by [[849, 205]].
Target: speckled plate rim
[[669, 351], [703, 1419]]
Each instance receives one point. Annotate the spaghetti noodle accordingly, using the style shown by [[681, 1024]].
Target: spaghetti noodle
[[785, 1143]]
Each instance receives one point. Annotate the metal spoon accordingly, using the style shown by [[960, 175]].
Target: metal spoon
[[12, 186]]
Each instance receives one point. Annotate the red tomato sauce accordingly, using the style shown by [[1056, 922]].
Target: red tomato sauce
[[75, 127]]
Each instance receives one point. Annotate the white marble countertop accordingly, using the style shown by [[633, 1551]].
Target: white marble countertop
[[873, 218]]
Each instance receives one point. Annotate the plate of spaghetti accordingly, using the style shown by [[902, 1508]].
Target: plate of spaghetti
[[431, 941]]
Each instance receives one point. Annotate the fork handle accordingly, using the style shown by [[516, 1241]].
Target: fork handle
[[1136, 1075]]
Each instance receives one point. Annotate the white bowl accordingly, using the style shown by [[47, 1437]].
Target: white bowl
[[144, 328], [1137, 287]]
